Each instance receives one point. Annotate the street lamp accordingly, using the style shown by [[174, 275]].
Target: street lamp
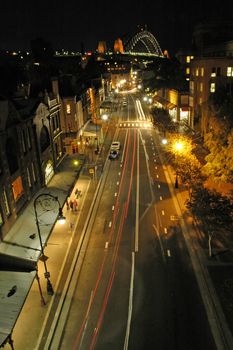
[[47, 203], [178, 147], [97, 141], [104, 117]]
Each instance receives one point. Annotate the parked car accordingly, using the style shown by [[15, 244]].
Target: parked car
[[114, 154], [116, 145]]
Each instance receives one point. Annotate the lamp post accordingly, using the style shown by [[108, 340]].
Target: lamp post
[[178, 147], [97, 141], [47, 203]]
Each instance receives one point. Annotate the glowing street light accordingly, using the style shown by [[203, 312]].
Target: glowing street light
[[104, 117]]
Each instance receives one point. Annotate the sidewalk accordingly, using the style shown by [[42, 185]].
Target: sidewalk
[[28, 309], [213, 274]]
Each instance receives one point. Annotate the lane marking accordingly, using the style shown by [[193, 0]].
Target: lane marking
[[168, 253], [160, 243], [110, 224], [106, 245], [161, 198], [157, 176], [113, 207], [165, 230], [137, 198], [163, 213], [115, 194], [118, 183], [119, 173], [130, 308], [158, 185]]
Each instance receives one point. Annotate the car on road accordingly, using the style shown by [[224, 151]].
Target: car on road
[[116, 145], [114, 154]]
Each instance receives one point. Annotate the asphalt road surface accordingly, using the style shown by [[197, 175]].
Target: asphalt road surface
[[136, 288]]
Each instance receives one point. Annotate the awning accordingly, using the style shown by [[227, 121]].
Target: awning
[[160, 100], [14, 290], [170, 105]]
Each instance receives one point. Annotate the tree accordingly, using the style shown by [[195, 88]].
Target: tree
[[219, 139], [212, 209], [161, 118]]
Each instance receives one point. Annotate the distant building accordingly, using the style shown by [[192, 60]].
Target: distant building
[[211, 32], [118, 46], [102, 47], [207, 75]]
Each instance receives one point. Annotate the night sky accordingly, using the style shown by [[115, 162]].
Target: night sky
[[67, 24]]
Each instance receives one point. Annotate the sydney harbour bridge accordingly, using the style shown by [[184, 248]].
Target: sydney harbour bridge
[[143, 43]]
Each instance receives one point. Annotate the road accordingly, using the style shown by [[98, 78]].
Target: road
[[136, 288]]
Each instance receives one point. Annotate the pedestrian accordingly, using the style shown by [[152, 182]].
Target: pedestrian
[[67, 204], [75, 204], [71, 204]]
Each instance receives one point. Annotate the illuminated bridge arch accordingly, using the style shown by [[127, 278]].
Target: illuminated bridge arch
[[145, 43]]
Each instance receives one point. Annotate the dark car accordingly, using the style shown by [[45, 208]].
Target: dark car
[[114, 154]]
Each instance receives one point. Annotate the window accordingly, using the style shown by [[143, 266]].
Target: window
[[28, 138], [200, 100], [212, 87], [188, 59], [33, 173], [29, 178], [201, 87], [6, 204], [187, 70], [17, 188], [202, 71], [191, 86], [197, 72], [1, 219], [68, 108], [213, 72], [230, 71], [23, 141]]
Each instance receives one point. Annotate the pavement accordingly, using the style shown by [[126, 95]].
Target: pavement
[[34, 309]]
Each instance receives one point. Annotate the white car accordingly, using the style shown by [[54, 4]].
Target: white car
[[116, 145]]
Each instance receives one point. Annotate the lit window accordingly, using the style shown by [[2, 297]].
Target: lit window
[[212, 87], [188, 59], [230, 71], [187, 70], [202, 71], [197, 72], [68, 108], [17, 188], [192, 57], [201, 87], [213, 73], [200, 100], [6, 204]]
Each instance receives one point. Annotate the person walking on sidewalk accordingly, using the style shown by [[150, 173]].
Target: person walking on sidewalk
[[75, 204], [71, 204]]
